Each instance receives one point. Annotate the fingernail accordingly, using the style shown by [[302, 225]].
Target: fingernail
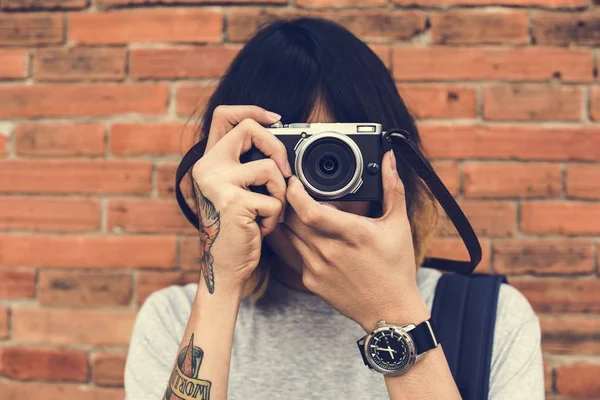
[[289, 168], [393, 161], [273, 116]]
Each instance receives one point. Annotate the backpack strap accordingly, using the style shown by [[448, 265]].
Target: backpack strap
[[464, 314]]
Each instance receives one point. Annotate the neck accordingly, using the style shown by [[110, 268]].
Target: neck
[[285, 274]]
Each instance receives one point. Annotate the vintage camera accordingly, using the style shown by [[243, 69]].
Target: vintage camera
[[334, 161]]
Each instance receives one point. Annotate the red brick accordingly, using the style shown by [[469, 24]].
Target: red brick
[[193, 97], [526, 102], [142, 26], [513, 142], [548, 378], [14, 64], [31, 29], [449, 174], [43, 4], [71, 326], [521, 3], [147, 216], [384, 52], [117, 3], [87, 251], [595, 103], [108, 369], [454, 249], [150, 281], [43, 363], [582, 181], [479, 26], [340, 3], [543, 256], [4, 322], [488, 218], [31, 390], [501, 180], [489, 63], [560, 294], [165, 181], [3, 145], [366, 24], [579, 379], [193, 62], [95, 100], [439, 101], [59, 140], [581, 28], [147, 139], [570, 334], [566, 218], [17, 283], [75, 176], [85, 289], [79, 63]]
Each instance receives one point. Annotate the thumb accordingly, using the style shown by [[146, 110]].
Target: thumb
[[394, 199]]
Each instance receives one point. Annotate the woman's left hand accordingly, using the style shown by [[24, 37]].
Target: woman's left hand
[[363, 267]]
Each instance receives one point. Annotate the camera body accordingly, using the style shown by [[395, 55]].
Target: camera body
[[334, 161]]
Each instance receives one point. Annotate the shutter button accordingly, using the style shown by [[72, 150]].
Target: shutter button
[[372, 168]]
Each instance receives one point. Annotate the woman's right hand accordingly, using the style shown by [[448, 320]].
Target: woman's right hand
[[231, 232]]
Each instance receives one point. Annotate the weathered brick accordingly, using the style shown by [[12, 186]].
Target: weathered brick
[[26, 363], [147, 139], [52, 391], [117, 3], [579, 379], [566, 218], [192, 98], [543, 256], [553, 28], [142, 26], [69, 326], [72, 100], [103, 252], [521, 3], [151, 281], [31, 29], [570, 334], [498, 180], [498, 142], [17, 284], [59, 140], [479, 26], [488, 218], [75, 176], [165, 181], [582, 181], [84, 289], [449, 174], [454, 249], [488, 63], [526, 102], [79, 63], [340, 3], [560, 294], [14, 64], [108, 369], [193, 62], [595, 103], [43, 4], [147, 216], [3, 145], [439, 101], [367, 24], [4, 317]]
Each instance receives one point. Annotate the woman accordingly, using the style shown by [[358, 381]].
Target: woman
[[289, 284]]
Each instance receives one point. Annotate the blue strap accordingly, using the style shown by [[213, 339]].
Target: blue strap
[[464, 314]]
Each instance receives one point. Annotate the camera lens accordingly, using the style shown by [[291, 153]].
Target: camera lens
[[329, 164]]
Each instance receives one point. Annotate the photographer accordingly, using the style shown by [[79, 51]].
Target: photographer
[[289, 284]]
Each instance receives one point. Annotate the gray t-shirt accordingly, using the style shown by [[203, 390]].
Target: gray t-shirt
[[293, 345]]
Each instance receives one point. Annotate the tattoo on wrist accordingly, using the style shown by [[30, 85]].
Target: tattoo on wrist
[[210, 224], [184, 383]]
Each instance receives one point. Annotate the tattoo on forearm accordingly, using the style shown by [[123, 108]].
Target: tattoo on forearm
[[184, 383], [210, 223]]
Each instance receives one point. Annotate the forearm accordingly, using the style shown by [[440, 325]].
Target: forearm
[[210, 328]]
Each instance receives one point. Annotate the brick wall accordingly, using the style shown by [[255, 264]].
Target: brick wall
[[94, 97]]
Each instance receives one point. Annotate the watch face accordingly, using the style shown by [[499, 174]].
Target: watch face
[[390, 350]]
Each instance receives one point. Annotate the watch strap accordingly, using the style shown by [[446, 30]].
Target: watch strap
[[361, 343], [423, 337]]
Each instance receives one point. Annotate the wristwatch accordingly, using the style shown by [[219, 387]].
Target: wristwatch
[[392, 350]]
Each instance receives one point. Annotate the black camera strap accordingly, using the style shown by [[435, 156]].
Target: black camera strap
[[403, 146]]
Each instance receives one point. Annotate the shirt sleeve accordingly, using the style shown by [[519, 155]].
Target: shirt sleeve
[[155, 339], [517, 370]]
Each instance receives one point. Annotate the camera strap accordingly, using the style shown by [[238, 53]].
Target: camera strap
[[402, 146]]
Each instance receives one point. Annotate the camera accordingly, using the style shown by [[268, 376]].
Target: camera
[[334, 161]]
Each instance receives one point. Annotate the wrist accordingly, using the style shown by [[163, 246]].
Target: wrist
[[408, 309]]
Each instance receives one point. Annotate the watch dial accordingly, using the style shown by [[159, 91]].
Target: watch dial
[[389, 350]]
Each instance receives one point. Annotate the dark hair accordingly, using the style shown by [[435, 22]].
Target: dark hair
[[289, 66]]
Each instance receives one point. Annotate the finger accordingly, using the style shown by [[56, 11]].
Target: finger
[[262, 172], [250, 133], [394, 199], [319, 217], [306, 252], [265, 207], [226, 117]]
